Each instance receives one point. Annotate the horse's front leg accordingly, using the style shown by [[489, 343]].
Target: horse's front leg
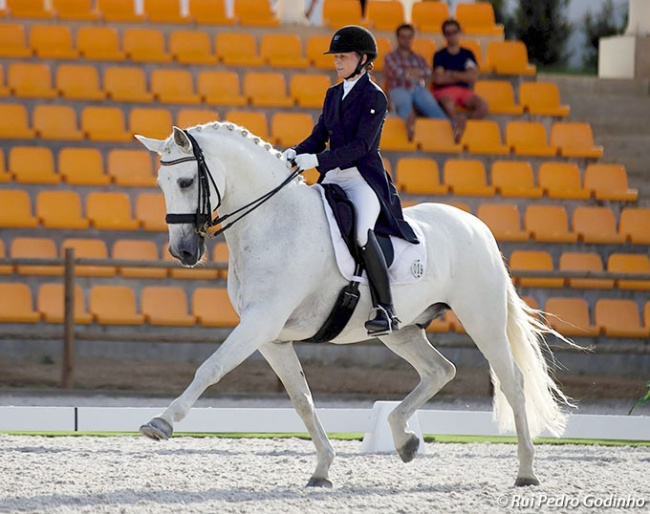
[[283, 360], [248, 336]]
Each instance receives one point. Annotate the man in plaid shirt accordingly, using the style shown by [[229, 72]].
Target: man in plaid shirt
[[407, 74]]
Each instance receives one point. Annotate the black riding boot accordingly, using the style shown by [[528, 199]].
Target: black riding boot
[[385, 319]]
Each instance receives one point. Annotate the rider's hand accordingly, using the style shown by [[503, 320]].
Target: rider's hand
[[288, 154], [306, 161]]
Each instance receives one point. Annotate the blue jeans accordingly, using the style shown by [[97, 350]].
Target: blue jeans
[[419, 99]]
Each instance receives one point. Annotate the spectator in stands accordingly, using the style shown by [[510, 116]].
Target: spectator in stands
[[455, 70], [294, 11], [407, 74]]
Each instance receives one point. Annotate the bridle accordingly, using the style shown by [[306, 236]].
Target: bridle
[[202, 218]]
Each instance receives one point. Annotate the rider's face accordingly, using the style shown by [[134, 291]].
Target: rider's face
[[346, 63]]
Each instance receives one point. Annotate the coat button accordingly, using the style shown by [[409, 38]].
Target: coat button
[[330, 131]]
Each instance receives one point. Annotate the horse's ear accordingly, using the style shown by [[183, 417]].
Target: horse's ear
[[181, 140], [155, 145]]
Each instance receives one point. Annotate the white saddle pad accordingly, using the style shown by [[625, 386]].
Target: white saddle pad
[[409, 263]]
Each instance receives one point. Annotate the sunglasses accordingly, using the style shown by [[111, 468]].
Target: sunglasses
[[451, 32]]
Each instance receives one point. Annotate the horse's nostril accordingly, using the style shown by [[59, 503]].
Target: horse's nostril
[[185, 254]]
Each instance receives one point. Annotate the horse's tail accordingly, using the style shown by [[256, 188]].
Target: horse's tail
[[526, 333]]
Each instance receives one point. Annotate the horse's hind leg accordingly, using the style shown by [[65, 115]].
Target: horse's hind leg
[[435, 371], [283, 360]]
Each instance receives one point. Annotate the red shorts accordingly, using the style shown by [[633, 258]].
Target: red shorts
[[459, 94]]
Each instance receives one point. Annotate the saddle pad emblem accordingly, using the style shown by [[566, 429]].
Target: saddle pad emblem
[[417, 268]]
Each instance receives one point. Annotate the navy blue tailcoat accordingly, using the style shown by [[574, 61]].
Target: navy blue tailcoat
[[353, 126]]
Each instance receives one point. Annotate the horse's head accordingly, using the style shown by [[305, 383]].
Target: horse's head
[[189, 190]]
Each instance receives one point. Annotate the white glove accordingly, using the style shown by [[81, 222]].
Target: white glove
[[288, 154], [306, 161]]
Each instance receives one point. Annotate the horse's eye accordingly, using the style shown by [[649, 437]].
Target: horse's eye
[[184, 183]]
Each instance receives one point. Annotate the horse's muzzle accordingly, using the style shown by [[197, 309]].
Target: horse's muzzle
[[188, 252]]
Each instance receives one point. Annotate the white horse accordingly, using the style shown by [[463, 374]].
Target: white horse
[[283, 280]]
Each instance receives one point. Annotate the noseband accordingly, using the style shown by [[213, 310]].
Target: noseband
[[202, 218]]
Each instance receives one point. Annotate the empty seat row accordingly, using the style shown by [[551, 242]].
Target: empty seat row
[[522, 138], [117, 305], [169, 86], [587, 262], [123, 249], [108, 124], [553, 179]]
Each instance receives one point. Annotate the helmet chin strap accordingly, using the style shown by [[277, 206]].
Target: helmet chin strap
[[358, 69]]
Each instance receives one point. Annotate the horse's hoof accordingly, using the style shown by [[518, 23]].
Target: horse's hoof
[[319, 482], [524, 481], [410, 449], [157, 429]]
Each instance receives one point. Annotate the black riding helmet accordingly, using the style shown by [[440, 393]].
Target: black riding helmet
[[354, 39]]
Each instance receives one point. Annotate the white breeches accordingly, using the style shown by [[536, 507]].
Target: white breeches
[[365, 201]]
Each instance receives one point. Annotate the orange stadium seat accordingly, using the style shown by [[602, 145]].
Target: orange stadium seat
[[50, 303], [575, 139], [237, 49], [429, 16], [283, 51], [57, 122], [514, 179], [266, 89], [500, 96], [256, 13], [477, 18], [425, 47], [114, 305], [90, 249], [609, 182], [164, 11], [254, 121], [191, 47], [212, 308], [561, 180], [83, 167], [150, 122], [119, 10], [79, 82], [150, 211], [130, 167], [28, 9], [508, 58], [145, 45], [474, 45], [220, 88], [466, 177], [504, 220], [596, 225], [126, 84], [636, 263], [435, 136], [419, 176], [308, 90], [221, 254], [384, 46], [290, 128], [52, 42], [104, 124], [619, 318], [385, 14], [5, 176], [110, 211], [635, 225], [173, 87], [32, 165], [16, 209], [548, 224], [542, 99], [13, 42], [187, 117], [337, 13], [14, 123], [30, 80], [586, 262], [529, 138], [570, 317], [166, 306], [180, 272], [315, 47], [533, 260], [35, 248], [646, 315], [60, 210], [440, 324], [75, 10], [394, 137], [483, 137], [17, 304], [99, 43], [137, 250], [4, 90], [209, 12]]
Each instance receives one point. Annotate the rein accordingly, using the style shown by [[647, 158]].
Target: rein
[[202, 218]]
